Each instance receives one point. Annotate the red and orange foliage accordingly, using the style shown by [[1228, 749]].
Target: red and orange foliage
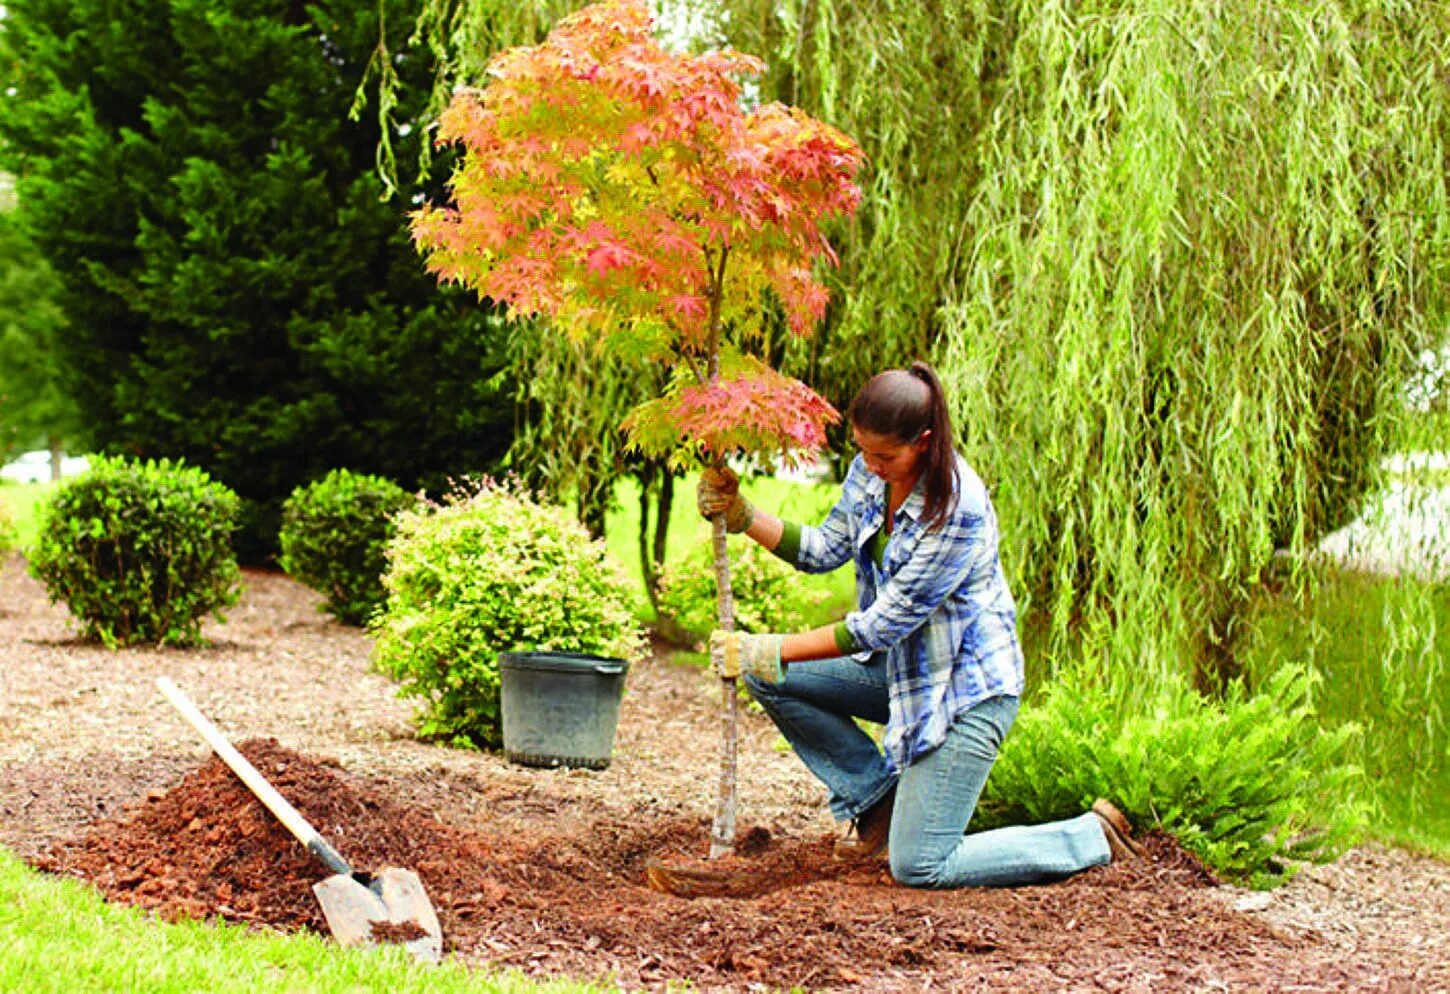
[[629, 195]]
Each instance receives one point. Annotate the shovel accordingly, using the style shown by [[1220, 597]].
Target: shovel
[[361, 909]]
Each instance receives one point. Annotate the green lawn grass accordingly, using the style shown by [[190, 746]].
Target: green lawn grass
[[22, 502], [801, 502], [58, 936], [1373, 640]]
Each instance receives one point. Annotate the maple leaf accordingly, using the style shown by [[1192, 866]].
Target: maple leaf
[[689, 306], [608, 255]]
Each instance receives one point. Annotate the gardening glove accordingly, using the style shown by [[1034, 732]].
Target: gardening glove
[[718, 492], [734, 653]]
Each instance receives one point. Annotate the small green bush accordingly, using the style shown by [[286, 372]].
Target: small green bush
[[139, 552], [1250, 784], [334, 538], [492, 571], [770, 595]]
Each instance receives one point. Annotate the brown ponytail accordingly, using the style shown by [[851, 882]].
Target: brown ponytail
[[903, 404]]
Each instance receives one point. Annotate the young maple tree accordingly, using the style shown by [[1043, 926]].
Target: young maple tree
[[627, 194]]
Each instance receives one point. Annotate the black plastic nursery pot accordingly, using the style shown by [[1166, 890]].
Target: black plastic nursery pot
[[560, 708]]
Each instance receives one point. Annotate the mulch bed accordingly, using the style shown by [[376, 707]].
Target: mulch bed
[[576, 903]]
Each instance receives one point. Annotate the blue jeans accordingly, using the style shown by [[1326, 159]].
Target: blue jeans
[[814, 707]]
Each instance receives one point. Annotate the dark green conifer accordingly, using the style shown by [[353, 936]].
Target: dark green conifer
[[238, 295]]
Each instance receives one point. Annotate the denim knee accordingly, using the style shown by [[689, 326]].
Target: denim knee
[[914, 868]]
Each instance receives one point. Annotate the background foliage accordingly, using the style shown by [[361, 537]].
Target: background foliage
[[34, 411], [1173, 260], [237, 294], [9, 533]]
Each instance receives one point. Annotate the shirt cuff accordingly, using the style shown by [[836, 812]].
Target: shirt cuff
[[789, 546], [845, 641]]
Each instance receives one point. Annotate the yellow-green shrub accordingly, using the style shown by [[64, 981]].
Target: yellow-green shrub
[[770, 595], [490, 571]]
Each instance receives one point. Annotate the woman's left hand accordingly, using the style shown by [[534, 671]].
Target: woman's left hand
[[735, 653]]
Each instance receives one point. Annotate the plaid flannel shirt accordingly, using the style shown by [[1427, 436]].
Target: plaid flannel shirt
[[939, 604]]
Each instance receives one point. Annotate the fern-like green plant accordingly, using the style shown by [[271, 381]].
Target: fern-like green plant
[[1248, 783]]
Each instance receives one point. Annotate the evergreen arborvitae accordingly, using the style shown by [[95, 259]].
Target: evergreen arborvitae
[[237, 293], [34, 411]]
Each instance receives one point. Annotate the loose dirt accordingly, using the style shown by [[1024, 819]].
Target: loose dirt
[[544, 870]]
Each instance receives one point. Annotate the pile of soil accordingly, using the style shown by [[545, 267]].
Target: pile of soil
[[577, 904]]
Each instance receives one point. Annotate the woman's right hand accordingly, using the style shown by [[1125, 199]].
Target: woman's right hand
[[718, 492]]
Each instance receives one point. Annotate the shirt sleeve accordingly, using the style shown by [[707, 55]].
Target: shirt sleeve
[[845, 644], [943, 558], [789, 546], [831, 544]]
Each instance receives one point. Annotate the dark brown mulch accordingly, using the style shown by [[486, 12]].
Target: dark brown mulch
[[578, 904]]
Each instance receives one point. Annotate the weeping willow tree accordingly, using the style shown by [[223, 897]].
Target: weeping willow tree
[[1171, 256]]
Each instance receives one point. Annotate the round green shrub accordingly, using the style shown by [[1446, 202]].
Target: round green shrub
[[491, 571], [770, 595], [334, 538], [140, 552]]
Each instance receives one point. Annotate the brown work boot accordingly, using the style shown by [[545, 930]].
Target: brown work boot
[[870, 830], [1116, 830]]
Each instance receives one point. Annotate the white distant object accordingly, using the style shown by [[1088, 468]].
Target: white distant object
[[1430, 378], [817, 470], [34, 467], [1408, 462], [1404, 529]]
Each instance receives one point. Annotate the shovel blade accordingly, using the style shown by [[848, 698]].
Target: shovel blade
[[392, 907]]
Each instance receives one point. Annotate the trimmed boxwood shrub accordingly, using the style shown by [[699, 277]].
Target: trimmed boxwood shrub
[[335, 534], [489, 571], [140, 552]]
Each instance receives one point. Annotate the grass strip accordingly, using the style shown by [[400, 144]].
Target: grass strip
[[58, 936]]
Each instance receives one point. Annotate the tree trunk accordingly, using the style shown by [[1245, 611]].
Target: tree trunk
[[55, 458], [648, 568], [652, 543], [662, 519], [593, 500], [722, 832]]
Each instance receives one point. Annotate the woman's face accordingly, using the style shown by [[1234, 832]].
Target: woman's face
[[898, 463]]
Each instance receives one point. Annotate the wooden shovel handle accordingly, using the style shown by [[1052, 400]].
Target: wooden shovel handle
[[289, 816]]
